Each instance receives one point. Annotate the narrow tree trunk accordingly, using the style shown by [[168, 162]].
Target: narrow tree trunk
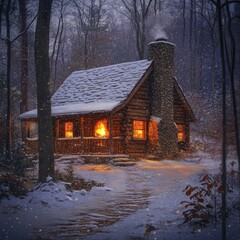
[[56, 47], [231, 66], [1, 11], [224, 120], [24, 57], [42, 66], [9, 62], [194, 77], [184, 21], [23, 62]]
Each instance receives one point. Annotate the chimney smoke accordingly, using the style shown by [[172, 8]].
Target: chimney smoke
[[157, 24]]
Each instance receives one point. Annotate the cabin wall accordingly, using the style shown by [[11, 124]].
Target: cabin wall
[[181, 117], [84, 140], [137, 109]]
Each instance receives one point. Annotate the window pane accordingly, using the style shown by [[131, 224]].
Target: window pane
[[138, 124], [139, 129], [181, 132], [101, 129], [68, 129], [138, 134], [153, 132]]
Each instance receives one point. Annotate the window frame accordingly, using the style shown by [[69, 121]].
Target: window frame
[[144, 129]]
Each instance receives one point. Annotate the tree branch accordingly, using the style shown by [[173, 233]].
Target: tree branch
[[20, 34]]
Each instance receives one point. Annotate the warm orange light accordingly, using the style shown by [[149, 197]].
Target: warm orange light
[[97, 168], [181, 132], [139, 129], [138, 134], [153, 132], [68, 129], [101, 129]]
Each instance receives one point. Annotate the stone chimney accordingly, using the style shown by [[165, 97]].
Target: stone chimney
[[162, 53]]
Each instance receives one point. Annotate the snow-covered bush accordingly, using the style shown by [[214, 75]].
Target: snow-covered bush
[[75, 183], [13, 178], [11, 184]]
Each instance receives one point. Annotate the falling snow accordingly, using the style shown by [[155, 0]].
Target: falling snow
[[133, 200]]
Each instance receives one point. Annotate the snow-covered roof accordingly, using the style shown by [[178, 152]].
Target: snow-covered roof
[[95, 90], [77, 108]]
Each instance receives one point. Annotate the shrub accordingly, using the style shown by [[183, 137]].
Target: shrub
[[204, 202], [75, 183], [11, 184]]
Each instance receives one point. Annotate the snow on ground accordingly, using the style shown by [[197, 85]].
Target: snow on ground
[[134, 200]]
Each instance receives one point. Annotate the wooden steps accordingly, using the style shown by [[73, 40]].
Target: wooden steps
[[123, 161]]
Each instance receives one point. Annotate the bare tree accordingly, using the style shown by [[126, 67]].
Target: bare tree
[[23, 57], [42, 68], [138, 12], [1, 12], [231, 63], [57, 44], [9, 9], [9, 62], [219, 5], [92, 23]]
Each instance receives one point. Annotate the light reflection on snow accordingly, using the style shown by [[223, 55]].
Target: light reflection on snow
[[97, 168], [167, 165]]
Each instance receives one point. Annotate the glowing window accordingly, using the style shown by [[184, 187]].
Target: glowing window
[[139, 129], [153, 132], [181, 132], [68, 129], [101, 129]]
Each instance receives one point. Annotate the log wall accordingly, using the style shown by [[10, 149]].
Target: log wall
[[84, 141], [138, 108], [180, 116]]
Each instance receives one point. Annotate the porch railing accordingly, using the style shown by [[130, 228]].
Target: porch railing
[[88, 145]]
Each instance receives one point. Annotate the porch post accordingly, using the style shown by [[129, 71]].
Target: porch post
[[26, 134], [57, 135], [82, 132], [111, 150]]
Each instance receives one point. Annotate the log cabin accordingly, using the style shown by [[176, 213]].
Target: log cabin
[[134, 108]]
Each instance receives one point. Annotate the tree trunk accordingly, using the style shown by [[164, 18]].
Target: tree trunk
[[184, 21], [231, 66], [9, 61], [1, 11], [224, 120], [23, 62], [56, 48], [24, 57], [42, 68]]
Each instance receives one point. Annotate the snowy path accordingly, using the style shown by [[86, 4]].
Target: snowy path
[[132, 190], [148, 193]]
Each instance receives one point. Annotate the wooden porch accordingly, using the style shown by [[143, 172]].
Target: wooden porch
[[81, 146]]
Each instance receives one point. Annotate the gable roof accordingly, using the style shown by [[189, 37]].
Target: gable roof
[[96, 90], [104, 84]]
